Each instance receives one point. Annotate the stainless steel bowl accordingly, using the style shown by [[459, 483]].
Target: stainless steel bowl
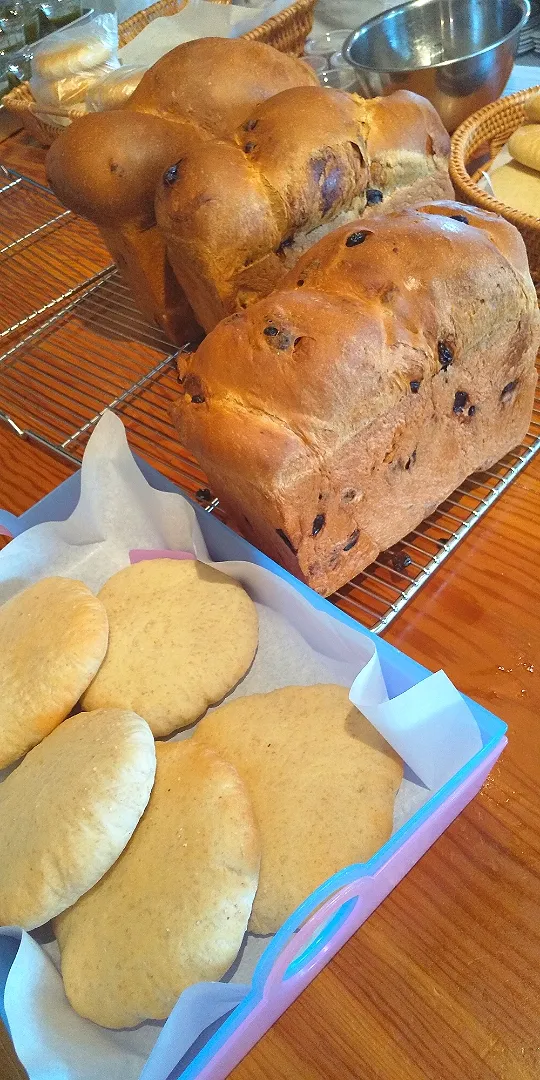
[[457, 53]]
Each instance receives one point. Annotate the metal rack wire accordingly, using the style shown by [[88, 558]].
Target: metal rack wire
[[46, 253], [94, 351]]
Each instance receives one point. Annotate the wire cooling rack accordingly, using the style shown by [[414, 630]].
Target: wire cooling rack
[[46, 253], [96, 352], [91, 350]]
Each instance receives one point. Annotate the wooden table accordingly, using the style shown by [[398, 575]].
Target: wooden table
[[443, 981]]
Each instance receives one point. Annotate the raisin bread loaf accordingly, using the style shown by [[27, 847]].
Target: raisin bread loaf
[[106, 166], [237, 214], [398, 357]]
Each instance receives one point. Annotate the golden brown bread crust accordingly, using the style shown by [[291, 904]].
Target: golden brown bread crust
[[106, 166], [228, 207], [215, 82], [398, 357], [92, 164], [412, 125], [235, 217]]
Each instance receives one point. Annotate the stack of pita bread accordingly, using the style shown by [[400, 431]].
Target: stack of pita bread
[[154, 859], [518, 182]]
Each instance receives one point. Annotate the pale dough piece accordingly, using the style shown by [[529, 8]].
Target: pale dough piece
[[174, 909], [72, 90], [532, 108], [53, 637], [518, 187], [181, 635], [68, 811], [322, 781], [524, 145]]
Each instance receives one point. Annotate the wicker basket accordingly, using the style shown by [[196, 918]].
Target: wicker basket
[[286, 31], [482, 136]]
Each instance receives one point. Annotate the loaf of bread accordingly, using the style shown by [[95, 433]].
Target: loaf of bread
[[396, 358], [106, 166], [237, 214]]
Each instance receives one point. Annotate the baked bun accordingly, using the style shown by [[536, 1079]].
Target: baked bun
[[532, 108], [107, 168], [237, 214], [215, 82], [63, 58], [396, 358], [524, 146]]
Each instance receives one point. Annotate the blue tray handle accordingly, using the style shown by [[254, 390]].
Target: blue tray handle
[[8, 524]]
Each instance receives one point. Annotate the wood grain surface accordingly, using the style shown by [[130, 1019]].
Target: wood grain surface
[[443, 981]]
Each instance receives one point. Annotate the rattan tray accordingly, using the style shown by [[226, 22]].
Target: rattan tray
[[481, 137], [286, 32]]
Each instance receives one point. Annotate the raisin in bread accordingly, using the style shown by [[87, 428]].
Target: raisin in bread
[[238, 213], [332, 416]]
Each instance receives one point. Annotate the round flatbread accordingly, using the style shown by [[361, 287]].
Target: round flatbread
[[518, 187], [524, 146], [68, 811], [53, 638], [174, 909], [322, 782], [181, 635]]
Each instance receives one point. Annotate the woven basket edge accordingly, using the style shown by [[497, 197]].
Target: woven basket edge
[[458, 172]]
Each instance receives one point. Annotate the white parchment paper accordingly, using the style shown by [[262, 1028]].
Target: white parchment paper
[[198, 19], [429, 725]]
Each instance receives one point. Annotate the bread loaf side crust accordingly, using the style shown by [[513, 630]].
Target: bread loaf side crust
[[396, 359]]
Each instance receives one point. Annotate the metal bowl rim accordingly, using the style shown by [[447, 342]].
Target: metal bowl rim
[[526, 10]]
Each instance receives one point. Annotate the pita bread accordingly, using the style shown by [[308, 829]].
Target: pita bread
[[53, 638], [68, 811], [518, 187], [174, 909], [181, 635], [322, 782]]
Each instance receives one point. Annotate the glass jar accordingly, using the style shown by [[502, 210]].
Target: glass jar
[[58, 13], [11, 28], [339, 78], [18, 71], [31, 23], [326, 45]]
